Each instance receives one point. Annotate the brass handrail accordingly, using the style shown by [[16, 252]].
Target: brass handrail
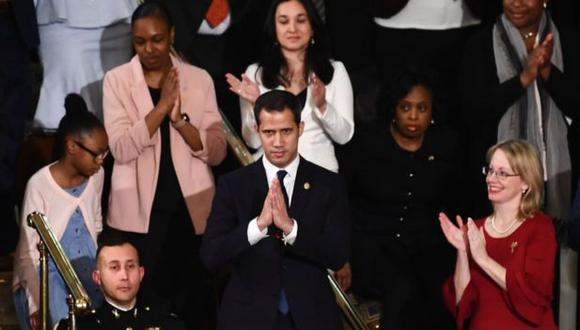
[[49, 245], [236, 144]]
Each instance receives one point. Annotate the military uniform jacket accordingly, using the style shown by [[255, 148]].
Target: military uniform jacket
[[141, 317]]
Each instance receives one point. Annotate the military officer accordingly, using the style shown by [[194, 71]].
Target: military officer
[[119, 275]]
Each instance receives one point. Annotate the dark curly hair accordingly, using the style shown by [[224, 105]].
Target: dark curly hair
[[401, 85]]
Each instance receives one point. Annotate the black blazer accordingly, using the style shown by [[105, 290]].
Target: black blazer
[[232, 51], [25, 17], [259, 272]]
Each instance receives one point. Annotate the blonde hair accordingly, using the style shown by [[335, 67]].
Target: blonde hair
[[525, 161]]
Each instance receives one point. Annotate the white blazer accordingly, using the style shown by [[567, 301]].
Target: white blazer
[[320, 130]]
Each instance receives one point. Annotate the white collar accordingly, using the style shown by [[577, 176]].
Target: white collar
[[122, 308], [271, 169]]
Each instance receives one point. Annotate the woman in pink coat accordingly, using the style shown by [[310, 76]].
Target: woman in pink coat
[[165, 132]]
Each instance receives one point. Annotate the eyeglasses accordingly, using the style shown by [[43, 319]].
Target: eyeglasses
[[96, 157], [499, 174]]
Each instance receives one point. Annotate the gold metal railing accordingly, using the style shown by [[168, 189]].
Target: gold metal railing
[[78, 300]]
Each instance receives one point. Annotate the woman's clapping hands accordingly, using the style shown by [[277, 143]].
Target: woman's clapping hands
[[538, 62], [245, 88], [464, 237]]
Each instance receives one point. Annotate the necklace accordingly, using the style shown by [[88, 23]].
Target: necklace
[[528, 35], [502, 231]]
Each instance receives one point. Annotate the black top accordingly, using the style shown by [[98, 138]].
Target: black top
[[25, 18], [399, 193], [302, 98], [484, 101], [168, 193]]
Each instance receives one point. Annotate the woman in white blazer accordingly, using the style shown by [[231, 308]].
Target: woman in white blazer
[[295, 57]]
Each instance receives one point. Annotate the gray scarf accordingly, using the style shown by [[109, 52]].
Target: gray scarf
[[521, 120]]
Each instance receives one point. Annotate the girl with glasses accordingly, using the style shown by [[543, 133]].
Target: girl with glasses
[[68, 193]]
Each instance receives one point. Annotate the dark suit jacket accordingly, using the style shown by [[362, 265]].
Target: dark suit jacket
[[25, 17], [259, 272], [574, 222], [232, 51]]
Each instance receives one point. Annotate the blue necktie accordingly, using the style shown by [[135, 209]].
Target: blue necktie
[[283, 303], [281, 174]]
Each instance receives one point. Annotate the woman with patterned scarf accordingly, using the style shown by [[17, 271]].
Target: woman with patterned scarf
[[519, 79]]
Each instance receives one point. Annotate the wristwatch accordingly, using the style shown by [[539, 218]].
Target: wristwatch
[[184, 119]]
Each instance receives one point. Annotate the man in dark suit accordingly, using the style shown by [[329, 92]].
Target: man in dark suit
[[278, 255]]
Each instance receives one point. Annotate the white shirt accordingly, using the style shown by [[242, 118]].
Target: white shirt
[[254, 232], [336, 124], [124, 309], [220, 29], [430, 15]]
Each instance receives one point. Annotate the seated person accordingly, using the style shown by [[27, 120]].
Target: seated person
[[119, 275]]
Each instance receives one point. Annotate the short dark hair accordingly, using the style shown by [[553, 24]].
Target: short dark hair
[[152, 9], [77, 121], [112, 237], [277, 100]]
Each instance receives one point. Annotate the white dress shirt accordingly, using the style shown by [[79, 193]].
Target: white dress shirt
[[220, 29], [430, 15], [254, 232]]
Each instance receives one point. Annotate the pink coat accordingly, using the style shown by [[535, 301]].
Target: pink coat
[[126, 102]]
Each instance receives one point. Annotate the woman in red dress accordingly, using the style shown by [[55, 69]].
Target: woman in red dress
[[505, 262]]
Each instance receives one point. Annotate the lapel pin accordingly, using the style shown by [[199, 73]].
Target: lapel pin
[[514, 245], [306, 185], [431, 157]]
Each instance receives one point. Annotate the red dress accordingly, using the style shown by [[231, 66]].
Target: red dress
[[528, 256]]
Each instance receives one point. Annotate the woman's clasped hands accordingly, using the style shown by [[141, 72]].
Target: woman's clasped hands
[[170, 95]]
